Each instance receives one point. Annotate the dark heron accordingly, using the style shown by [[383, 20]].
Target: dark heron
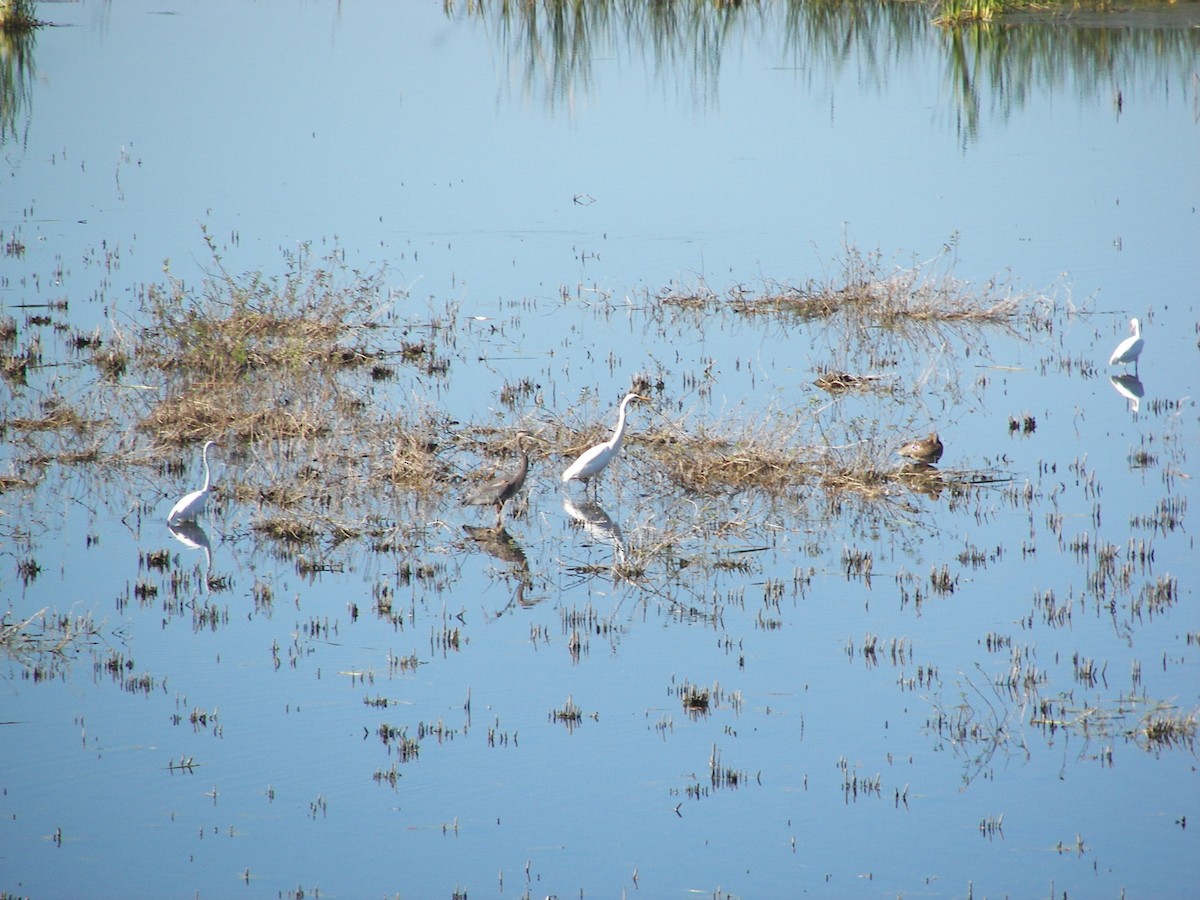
[[502, 488]]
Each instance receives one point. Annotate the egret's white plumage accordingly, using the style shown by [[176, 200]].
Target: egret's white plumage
[[1129, 349], [593, 460], [191, 505]]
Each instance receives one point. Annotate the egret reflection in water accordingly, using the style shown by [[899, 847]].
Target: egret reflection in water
[[194, 537], [596, 522], [1130, 387]]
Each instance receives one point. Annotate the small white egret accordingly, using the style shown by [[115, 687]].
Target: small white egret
[[594, 459], [928, 450], [193, 504], [1129, 349], [502, 488]]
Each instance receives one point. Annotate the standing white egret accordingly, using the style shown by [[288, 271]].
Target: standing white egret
[[594, 459], [1129, 349], [500, 489], [193, 504]]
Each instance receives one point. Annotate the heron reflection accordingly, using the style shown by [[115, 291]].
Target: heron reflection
[[1130, 387], [194, 537], [596, 522], [499, 544]]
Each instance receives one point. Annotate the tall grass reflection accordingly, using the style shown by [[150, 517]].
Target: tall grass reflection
[[554, 47]]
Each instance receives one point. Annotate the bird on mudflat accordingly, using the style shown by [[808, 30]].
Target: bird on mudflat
[[926, 450], [499, 490], [594, 460], [1129, 349], [189, 506]]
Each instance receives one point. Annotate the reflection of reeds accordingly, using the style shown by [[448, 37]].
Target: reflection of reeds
[[16, 66], [45, 643], [961, 12], [1007, 63], [16, 16], [552, 45], [1162, 730]]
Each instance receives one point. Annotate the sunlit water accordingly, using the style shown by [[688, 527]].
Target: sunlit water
[[535, 197]]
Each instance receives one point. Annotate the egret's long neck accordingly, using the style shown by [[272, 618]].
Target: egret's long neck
[[205, 457], [615, 440]]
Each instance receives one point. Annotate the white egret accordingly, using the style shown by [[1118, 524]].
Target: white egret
[[500, 489], [193, 504], [927, 450], [594, 459], [1129, 349]]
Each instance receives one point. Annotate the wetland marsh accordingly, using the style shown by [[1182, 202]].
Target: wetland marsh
[[374, 254]]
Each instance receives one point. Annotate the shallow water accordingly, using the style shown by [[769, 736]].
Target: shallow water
[[534, 193]]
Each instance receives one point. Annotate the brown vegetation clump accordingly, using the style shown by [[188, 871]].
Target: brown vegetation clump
[[1164, 730], [767, 459], [56, 416], [237, 326], [241, 354], [867, 291]]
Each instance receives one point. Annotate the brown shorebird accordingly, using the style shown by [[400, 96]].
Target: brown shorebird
[[928, 450]]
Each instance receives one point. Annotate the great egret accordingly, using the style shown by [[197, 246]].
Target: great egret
[[503, 487], [594, 459], [1129, 349], [928, 450], [193, 504]]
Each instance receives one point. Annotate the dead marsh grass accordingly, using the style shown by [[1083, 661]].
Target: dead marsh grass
[[56, 415], [283, 371], [316, 314], [705, 462], [890, 325], [870, 293], [1165, 729]]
